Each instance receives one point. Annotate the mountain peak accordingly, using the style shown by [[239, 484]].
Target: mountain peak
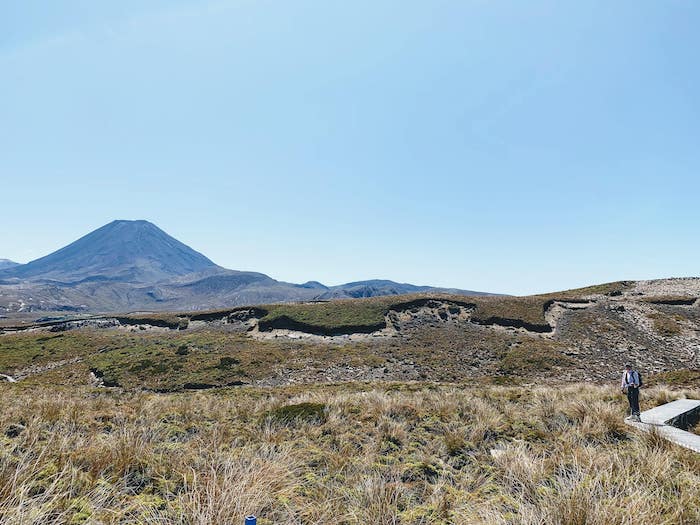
[[126, 224], [132, 250], [131, 222], [313, 285]]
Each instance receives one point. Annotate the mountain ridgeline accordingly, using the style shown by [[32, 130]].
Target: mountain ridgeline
[[134, 265]]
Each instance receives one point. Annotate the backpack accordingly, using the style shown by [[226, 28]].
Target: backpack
[[641, 383]]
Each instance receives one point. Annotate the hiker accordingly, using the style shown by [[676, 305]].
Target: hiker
[[631, 382]]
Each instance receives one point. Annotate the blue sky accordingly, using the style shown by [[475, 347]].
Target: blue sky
[[505, 146]]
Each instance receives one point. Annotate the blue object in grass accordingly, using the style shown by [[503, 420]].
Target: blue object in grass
[[251, 520]]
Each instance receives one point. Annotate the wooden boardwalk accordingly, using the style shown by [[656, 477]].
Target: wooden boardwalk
[[664, 417]]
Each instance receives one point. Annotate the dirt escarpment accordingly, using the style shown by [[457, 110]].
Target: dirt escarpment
[[284, 322], [513, 323]]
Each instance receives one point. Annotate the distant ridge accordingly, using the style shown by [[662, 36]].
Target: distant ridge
[[7, 263], [377, 287], [134, 265]]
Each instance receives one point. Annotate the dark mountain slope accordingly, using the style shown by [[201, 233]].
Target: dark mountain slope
[[228, 281]]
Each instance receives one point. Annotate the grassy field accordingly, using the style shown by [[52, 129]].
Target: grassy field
[[443, 422], [173, 360], [395, 453], [166, 361]]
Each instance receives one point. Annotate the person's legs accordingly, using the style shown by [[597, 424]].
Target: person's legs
[[629, 400], [633, 396], [635, 402]]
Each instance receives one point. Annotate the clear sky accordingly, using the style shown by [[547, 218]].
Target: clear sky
[[506, 146]]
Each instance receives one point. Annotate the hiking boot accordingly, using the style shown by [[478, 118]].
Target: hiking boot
[[636, 419]]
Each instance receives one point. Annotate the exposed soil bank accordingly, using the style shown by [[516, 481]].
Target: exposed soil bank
[[514, 323], [283, 322]]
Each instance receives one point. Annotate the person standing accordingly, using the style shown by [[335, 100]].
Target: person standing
[[630, 385]]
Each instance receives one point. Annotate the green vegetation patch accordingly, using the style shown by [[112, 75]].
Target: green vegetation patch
[[331, 318], [167, 362], [300, 412], [533, 356], [23, 350]]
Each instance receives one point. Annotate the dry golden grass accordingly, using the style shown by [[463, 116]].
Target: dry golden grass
[[353, 453]]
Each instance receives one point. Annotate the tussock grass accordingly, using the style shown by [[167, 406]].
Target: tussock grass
[[393, 453]]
